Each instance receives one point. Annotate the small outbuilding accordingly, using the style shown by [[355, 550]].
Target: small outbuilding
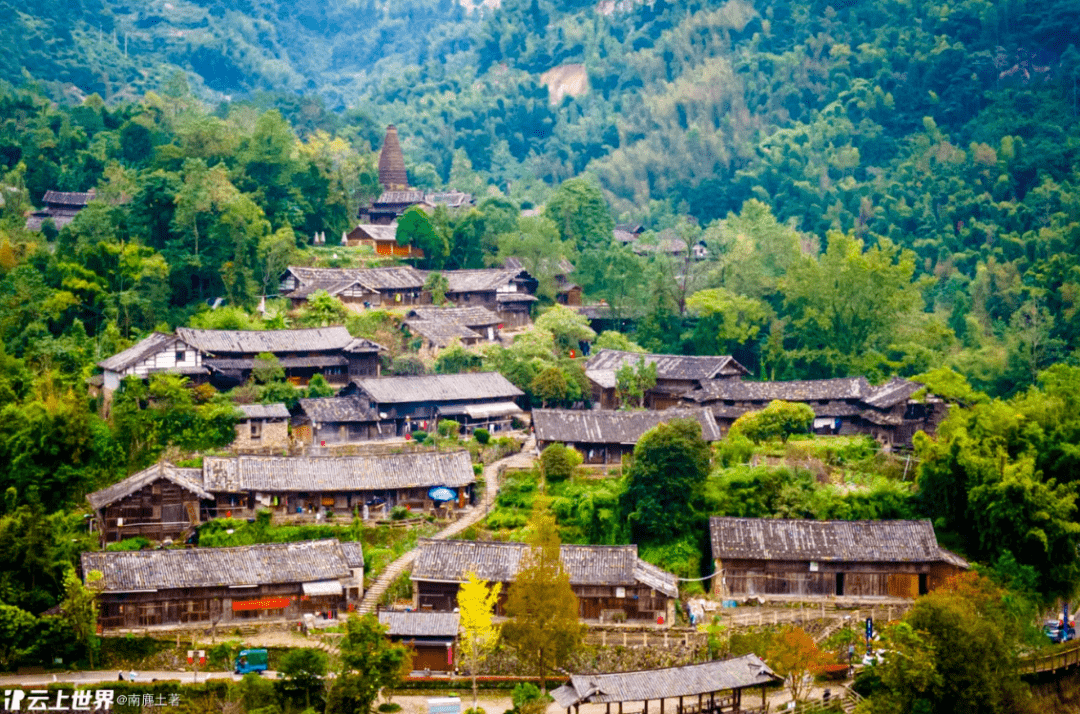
[[337, 420], [710, 688], [801, 559], [431, 635], [264, 427], [159, 502], [675, 375]]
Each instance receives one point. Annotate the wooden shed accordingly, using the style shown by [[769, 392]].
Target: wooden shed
[[337, 420], [610, 581], [159, 502], [800, 559], [710, 688], [604, 436], [431, 635], [274, 581], [675, 375], [297, 485]]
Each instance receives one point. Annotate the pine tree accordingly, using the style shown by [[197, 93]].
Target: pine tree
[[543, 628]]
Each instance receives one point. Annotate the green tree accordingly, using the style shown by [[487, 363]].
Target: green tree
[[415, 228], [318, 387], [567, 326], [908, 674], [632, 381], [779, 420], [455, 359], [581, 215], [303, 671], [543, 627], [16, 634], [79, 609], [323, 309], [542, 252], [267, 369], [437, 284], [369, 663], [478, 633], [558, 462], [664, 482], [612, 340], [550, 386]]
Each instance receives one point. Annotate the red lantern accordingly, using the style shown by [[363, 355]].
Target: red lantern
[[572, 354]]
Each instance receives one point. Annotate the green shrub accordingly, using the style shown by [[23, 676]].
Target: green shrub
[[449, 429], [419, 436], [136, 543], [482, 436], [524, 693], [399, 513], [558, 462], [389, 707], [734, 449]]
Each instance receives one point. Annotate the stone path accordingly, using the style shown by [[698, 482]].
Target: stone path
[[522, 459]]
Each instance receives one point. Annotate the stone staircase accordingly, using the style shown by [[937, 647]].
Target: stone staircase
[[492, 472]]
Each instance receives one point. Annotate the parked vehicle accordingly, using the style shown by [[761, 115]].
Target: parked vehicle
[[251, 661], [1058, 632]]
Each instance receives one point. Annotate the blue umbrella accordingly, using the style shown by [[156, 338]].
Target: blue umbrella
[[442, 493]]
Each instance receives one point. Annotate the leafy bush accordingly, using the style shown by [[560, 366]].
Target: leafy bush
[[389, 707], [524, 693], [482, 435], [449, 429], [399, 513], [136, 543], [779, 420], [559, 462], [419, 436], [734, 449]]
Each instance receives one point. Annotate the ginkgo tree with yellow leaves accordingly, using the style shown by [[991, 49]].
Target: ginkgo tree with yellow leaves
[[477, 631]]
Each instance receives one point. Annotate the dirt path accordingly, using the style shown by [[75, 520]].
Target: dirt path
[[522, 459]]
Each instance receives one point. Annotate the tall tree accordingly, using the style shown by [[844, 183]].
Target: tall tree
[[543, 628], [670, 464], [478, 633], [369, 662]]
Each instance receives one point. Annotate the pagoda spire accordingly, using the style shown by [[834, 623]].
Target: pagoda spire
[[392, 175]]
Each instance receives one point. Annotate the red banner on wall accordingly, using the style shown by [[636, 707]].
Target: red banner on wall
[[268, 603]]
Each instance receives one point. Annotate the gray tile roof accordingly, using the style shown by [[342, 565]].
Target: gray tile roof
[[188, 479], [837, 541], [475, 316], [151, 344], [793, 391], [374, 279], [891, 393], [271, 563], [325, 410], [395, 197], [421, 624], [606, 426], [379, 232], [354, 553], [672, 682], [479, 280], [668, 366], [439, 387], [253, 342], [452, 560], [264, 411], [337, 473], [68, 198], [441, 333]]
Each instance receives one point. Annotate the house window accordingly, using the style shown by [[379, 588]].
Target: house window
[[256, 430], [181, 355]]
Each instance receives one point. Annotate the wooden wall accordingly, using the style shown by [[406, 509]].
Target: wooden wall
[[738, 578], [157, 511], [639, 603]]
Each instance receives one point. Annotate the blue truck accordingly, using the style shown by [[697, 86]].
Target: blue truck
[[251, 661]]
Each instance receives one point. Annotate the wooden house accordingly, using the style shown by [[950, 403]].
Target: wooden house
[[357, 288], [604, 436], [264, 427], [382, 239], [157, 352], [337, 420], [801, 559], [231, 355], [406, 404], [159, 502], [439, 326], [610, 581], [509, 292], [222, 586], [60, 207], [847, 405], [226, 357], [430, 635], [290, 486], [714, 687], [566, 291], [675, 375]]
